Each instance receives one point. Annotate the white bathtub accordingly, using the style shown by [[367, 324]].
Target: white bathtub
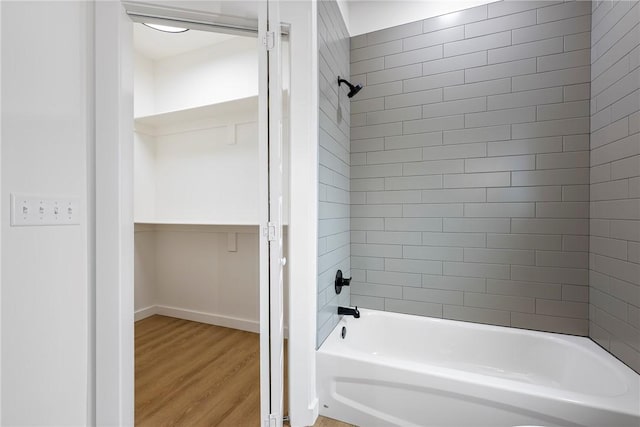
[[396, 369]]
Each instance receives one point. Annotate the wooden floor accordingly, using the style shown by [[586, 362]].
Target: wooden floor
[[194, 374]]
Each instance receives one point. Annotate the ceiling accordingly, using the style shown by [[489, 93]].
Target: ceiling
[[361, 16], [364, 16], [155, 44]]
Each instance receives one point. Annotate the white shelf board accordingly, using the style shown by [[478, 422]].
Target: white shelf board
[[181, 222], [174, 118]]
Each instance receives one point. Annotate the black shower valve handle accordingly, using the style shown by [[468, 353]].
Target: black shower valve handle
[[341, 281]]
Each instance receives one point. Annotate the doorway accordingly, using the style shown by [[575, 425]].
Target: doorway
[[197, 221], [114, 367]]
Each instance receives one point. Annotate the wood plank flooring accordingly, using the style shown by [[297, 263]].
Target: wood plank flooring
[[194, 374]]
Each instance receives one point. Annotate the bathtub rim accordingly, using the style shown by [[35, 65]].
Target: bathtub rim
[[627, 403]]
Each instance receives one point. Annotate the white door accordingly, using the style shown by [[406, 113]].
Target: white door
[[271, 241]]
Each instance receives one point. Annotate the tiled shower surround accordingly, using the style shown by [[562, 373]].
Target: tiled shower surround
[[470, 165], [333, 191], [615, 180]]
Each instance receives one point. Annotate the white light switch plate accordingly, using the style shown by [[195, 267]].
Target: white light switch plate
[[28, 210]]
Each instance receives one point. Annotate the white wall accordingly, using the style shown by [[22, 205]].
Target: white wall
[[372, 15], [197, 272], [196, 176], [187, 169], [44, 334], [144, 181], [146, 270], [209, 75], [205, 273], [1, 207], [45, 131], [194, 79], [199, 175], [144, 99]]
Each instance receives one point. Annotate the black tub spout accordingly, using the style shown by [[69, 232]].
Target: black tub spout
[[349, 311]]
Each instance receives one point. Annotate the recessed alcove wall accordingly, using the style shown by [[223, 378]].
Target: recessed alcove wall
[[495, 167], [470, 166]]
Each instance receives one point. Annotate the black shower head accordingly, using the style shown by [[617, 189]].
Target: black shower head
[[352, 89]]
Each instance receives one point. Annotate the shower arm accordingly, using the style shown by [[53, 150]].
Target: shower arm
[[341, 80]]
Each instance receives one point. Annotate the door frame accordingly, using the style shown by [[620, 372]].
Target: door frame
[[112, 359], [270, 233]]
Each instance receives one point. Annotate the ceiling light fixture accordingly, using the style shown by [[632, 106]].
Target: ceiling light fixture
[[166, 28]]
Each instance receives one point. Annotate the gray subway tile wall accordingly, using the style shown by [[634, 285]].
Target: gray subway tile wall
[[334, 226], [470, 187], [614, 297]]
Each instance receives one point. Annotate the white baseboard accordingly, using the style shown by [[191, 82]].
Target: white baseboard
[[143, 313], [209, 318], [202, 317], [309, 416]]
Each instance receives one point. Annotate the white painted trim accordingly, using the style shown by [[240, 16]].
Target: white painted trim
[[143, 313], [2, 207], [263, 173], [276, 255], [223, 23], [199, 228], [209, 318], [303, 223], [91, 217], [114, 215], [202, 317]]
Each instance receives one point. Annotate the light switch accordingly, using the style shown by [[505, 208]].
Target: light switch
[[29, 210]]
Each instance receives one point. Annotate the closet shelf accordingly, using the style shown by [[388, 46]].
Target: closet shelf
[[173, 118], [180, 222]]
